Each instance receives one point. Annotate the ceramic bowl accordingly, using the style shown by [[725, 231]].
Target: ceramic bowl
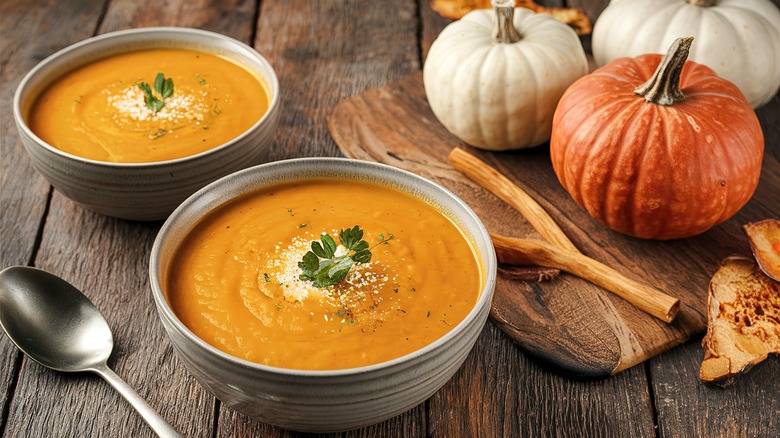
[[143, 191], [321, 401]]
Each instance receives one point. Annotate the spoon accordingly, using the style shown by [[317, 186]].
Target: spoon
[[54, 324]]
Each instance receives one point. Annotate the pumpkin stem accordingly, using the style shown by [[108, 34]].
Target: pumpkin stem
[[703, 3], [506, 33], [664, 87]]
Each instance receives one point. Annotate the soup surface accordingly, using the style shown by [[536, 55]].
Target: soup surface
[[235, 282], [100, 111]]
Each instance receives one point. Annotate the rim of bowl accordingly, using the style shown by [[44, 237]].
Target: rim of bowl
[[272, 84], [162, 303]]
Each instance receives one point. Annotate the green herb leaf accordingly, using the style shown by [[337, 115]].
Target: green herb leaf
[[340, 268], [362, 256], [360, 246], [158, 83], [164, 89], [156, 105], [350, 237], [309, 266], [326, 249], [147, 91], [323, 268], [318, 250], [329, 245]]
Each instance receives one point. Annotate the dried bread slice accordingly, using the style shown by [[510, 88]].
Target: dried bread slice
[[743, 325], [764, 237], [574, 17]]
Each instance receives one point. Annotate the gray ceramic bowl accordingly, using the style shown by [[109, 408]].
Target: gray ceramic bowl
[[320, 401], [143, 191]]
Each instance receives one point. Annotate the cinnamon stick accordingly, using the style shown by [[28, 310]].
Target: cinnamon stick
[[526, 251], [507, 191], [560, 252]]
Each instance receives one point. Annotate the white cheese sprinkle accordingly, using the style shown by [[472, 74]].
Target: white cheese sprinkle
[[185, 107], [359, 290]]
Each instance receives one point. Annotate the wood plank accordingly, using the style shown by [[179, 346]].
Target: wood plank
[[30, 30], [503, 391], [108, 259], [318, 69], [203, 14], [23, 192], [748, 408]]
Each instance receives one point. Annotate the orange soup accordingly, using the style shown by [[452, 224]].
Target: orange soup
[[235, 281], [115, 110]]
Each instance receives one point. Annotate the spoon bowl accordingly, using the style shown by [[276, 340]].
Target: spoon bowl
[[51, 321], [55, 325]]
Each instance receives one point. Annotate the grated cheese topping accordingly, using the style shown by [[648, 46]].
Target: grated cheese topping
[[357, 297], [184, 107]]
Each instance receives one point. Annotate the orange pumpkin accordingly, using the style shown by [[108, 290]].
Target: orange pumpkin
[[657, 147]]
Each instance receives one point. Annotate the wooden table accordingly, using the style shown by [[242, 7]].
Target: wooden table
[[323, 51]]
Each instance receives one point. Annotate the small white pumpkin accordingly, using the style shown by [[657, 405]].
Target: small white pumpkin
[[739, 39], [494, 77]]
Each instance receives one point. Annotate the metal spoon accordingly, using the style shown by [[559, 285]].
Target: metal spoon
[[57, 326]]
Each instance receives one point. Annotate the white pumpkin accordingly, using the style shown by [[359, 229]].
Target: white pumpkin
[[494, 77], [739, 39]]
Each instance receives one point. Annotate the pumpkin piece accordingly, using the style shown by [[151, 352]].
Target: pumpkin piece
[[652, 170], [739, 39], [494, 77]]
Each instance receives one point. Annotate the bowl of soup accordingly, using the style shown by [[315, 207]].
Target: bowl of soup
[[323, 294], [130, 123]]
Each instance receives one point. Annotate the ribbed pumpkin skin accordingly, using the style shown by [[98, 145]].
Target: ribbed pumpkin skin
[[652, 171], [501, 96], [739, 39]]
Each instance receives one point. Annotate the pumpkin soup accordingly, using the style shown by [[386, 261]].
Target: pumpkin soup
[[149, 105], [249, 277]]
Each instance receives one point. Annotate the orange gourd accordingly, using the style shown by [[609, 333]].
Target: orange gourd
[[657, 147]]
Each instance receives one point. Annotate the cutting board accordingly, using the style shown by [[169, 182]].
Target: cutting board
[[567, 322]]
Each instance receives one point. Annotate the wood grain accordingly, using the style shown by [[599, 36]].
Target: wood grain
[[324, 52], [30, 32], [108, 260], [499, 185], [518, 251]]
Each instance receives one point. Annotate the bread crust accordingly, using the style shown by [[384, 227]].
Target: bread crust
[[574, 17], [764, 238], [743, 324]]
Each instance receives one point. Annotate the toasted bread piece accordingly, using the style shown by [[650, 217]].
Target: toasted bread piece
[[743, 324], [764, 239], [456, 9]]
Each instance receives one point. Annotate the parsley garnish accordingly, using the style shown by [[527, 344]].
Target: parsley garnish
[[164, 89], [324, 268]]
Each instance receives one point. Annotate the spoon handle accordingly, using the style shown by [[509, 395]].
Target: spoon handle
[[155, 421]]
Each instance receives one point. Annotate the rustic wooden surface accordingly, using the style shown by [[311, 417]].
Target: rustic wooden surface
[[323, 51]]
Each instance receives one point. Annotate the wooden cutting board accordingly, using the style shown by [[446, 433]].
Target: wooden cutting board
[[579, 328]]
